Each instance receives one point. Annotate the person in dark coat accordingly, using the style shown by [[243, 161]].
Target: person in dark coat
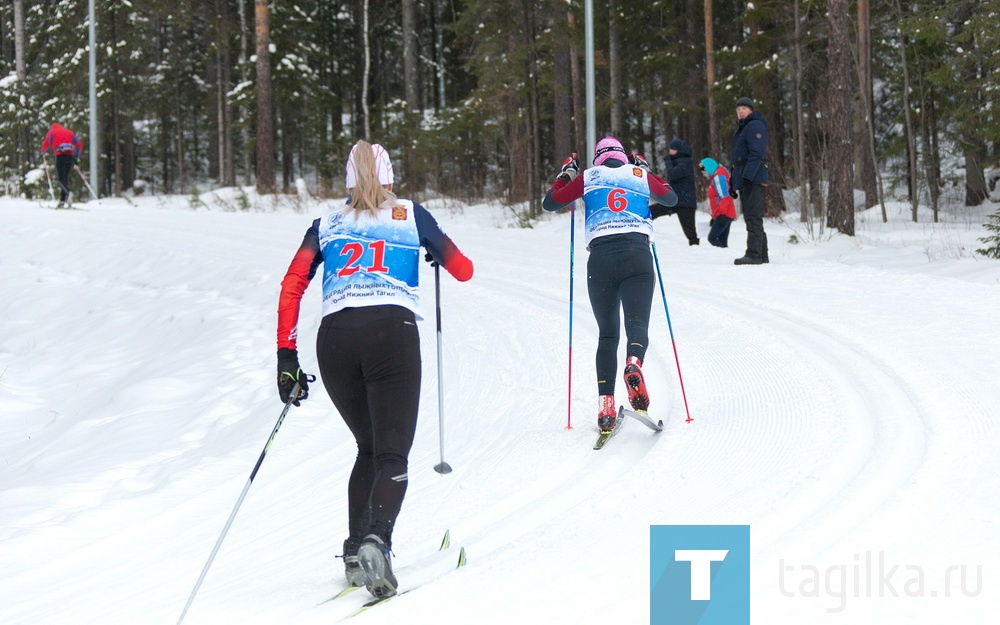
[[749, 157], [680, 177]]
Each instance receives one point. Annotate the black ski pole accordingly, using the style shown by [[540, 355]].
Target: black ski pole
[[443, 467], [239, 502]]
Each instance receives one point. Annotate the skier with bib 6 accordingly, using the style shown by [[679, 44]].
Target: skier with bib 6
[[617, 192]]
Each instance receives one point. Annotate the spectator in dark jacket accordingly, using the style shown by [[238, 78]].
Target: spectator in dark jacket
[[680, 177], [749, 180]]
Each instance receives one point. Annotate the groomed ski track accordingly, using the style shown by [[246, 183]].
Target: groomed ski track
[[830, 423]]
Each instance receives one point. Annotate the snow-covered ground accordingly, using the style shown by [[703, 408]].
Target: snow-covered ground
[[845, 399]]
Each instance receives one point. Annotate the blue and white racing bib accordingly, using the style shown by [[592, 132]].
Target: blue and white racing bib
[[370, 260], [617, 201]]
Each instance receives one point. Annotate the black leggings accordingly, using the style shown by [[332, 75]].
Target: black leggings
[[64, 165], [619, 277], [369, 359]]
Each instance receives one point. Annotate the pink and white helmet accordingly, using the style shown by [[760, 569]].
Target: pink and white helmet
[[609, 147], [383, 165]]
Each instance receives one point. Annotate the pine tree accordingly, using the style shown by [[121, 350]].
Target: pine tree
[[992, 242]]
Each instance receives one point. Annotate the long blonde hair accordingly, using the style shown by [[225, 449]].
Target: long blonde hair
[[368, 195]]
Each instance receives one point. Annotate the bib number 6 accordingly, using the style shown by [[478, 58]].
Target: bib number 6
[[617, 201]]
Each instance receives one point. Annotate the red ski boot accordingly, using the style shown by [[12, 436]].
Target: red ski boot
[[608, 414], [638, 397]]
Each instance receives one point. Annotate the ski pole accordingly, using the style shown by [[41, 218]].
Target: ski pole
[[84, 178], [569, 378], [443, 467], [680, 377], [239, 502], [48, 176]]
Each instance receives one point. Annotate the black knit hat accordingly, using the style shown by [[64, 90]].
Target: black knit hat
[[747, 102]]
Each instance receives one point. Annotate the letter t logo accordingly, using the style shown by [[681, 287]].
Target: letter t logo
[[701, 569]]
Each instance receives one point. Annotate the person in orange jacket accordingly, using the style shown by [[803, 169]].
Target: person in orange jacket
[[67, 148], [719, 200]]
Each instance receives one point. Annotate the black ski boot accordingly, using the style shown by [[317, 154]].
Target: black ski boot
[[353, 573]]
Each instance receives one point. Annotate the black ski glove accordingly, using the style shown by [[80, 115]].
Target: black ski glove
[[289, 373], [430, 258], [734, 193], [639, 161]]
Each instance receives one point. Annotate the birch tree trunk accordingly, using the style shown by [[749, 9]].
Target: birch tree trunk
[[366, 114], [534, 128], [244, 114], [911, 148], [411, 81], [23, 149], [227, 167], [19, 40], [805, 206]]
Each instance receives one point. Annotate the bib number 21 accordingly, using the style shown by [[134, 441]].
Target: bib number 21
[[355, 251]]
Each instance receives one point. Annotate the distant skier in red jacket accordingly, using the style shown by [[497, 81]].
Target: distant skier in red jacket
[[67, 148]]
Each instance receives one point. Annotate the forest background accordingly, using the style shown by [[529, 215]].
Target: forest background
[[484, 98]]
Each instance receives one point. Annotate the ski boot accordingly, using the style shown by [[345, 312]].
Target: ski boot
[[377, 564], [353, 573], [638, 397], [608, 415]]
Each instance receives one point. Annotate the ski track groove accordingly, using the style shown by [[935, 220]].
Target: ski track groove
[[894, 440], [565, 457]]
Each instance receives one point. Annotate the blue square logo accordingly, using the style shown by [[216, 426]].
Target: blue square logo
[[699, 575]]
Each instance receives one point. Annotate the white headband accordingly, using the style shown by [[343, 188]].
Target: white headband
[[383, 166]]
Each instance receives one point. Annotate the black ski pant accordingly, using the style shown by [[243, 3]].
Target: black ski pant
[[369, 359], [752, 200], [619, 278], [685, 215], [719, 234], [64, 165]]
